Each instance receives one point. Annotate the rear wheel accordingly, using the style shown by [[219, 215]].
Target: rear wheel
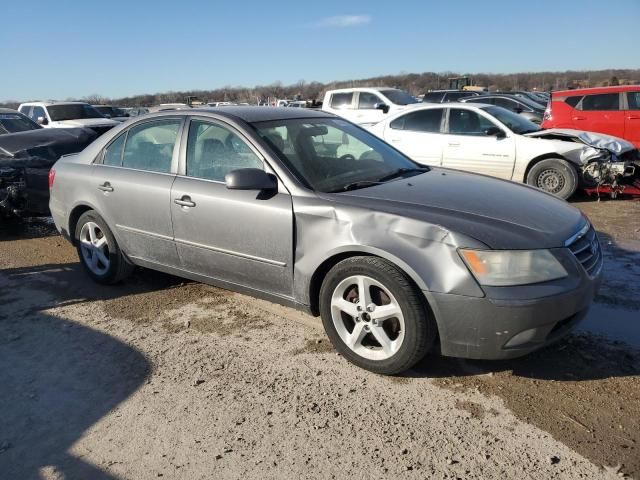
[[375, 316], [555, 176], [98, 250]]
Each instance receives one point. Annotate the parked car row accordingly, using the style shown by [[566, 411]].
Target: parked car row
[[493, 141], [27, 152], [307, 209]]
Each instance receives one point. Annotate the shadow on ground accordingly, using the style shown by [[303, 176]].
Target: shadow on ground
[[58, 378]]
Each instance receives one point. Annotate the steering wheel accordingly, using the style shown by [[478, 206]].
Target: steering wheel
[[347, 156]]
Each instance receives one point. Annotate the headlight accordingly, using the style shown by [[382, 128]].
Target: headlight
[[500, 268]]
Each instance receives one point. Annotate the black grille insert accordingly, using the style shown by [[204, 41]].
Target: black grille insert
[[586, 248]]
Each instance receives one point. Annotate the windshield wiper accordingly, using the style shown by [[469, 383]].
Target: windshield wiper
[[355, 185], [367, 183], [401, 171]]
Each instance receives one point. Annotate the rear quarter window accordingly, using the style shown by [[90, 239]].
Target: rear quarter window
[[573, 101], [633, 99], [341, 100]]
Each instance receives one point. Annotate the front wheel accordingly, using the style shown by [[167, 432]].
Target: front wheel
[[375, 316], [555, 176], [98, 250]]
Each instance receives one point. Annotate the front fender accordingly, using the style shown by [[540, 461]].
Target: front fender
[[425, 252]]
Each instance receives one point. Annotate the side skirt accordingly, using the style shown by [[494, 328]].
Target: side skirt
[[270, 297]]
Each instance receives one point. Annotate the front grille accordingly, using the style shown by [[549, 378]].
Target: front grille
[[586, 248]]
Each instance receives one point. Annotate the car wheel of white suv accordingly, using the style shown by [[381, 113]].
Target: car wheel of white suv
[[375, 316], [98, 250]]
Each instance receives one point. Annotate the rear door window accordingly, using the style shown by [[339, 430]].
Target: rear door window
[[149, 146], [341, 100], [605, 101], [421, 121]]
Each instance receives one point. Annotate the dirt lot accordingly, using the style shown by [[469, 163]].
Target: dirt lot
[[159, 377]]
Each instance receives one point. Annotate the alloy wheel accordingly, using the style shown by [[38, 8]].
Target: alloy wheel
[[95, 248], [367, 317]]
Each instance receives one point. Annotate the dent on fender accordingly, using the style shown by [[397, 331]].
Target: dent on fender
[[415, 246]]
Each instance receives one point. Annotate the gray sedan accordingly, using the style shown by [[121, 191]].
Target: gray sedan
[[308, 210]]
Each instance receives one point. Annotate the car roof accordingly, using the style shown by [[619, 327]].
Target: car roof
[[47, 104], [259, 114], [361, 89], [428, 105], [592, 90]]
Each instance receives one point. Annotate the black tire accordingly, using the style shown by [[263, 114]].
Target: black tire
[[419, 326], [555, 176], [119, 267]]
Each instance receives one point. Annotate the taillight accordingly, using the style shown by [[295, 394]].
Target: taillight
[[52, 177], [547, 113]]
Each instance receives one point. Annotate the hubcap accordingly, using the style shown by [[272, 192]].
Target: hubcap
[[367, 317], [551, 181], [95, 248]]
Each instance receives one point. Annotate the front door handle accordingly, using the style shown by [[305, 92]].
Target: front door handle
[[105, 187], [579, 118], [454, 144], [185, 201], [634, 117]]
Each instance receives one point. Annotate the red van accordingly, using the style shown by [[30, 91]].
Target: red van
[[611, 110]]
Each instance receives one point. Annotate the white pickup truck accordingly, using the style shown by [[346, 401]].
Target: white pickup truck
[[366, 105], [67, 115]]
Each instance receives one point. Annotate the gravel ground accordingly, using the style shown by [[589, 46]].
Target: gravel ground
[[159, 377]]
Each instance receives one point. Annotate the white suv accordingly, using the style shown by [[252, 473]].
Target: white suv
[[366, 105], [67, 115]]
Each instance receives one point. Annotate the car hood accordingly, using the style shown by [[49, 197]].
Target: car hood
[[42, 147], [86, 122], [592, 139], [498, 213]]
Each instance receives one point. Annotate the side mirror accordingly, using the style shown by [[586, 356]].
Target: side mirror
[[495, 132], [42, 121], [250, 179], [382, 106]]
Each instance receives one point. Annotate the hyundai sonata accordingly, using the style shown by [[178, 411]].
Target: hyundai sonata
[[308, 210]]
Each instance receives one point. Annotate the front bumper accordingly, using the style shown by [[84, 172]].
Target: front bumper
[[513, 321]]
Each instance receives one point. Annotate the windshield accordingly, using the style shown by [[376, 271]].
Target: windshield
[[516, 123], [332, 155], [72, 111], [15, 122], [399, 97]]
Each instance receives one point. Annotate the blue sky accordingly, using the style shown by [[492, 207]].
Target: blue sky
[[71, 48]]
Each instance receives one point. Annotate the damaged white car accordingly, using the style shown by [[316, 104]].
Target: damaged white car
[[494, 141]]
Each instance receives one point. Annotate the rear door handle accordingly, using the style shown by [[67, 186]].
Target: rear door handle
[[579, 118], [185, 201], [634, 117], [454, 144], [105, 187]]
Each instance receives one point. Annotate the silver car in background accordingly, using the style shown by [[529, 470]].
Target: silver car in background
[[309, 210]]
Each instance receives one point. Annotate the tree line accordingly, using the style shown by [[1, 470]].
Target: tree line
[[414, 83]]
